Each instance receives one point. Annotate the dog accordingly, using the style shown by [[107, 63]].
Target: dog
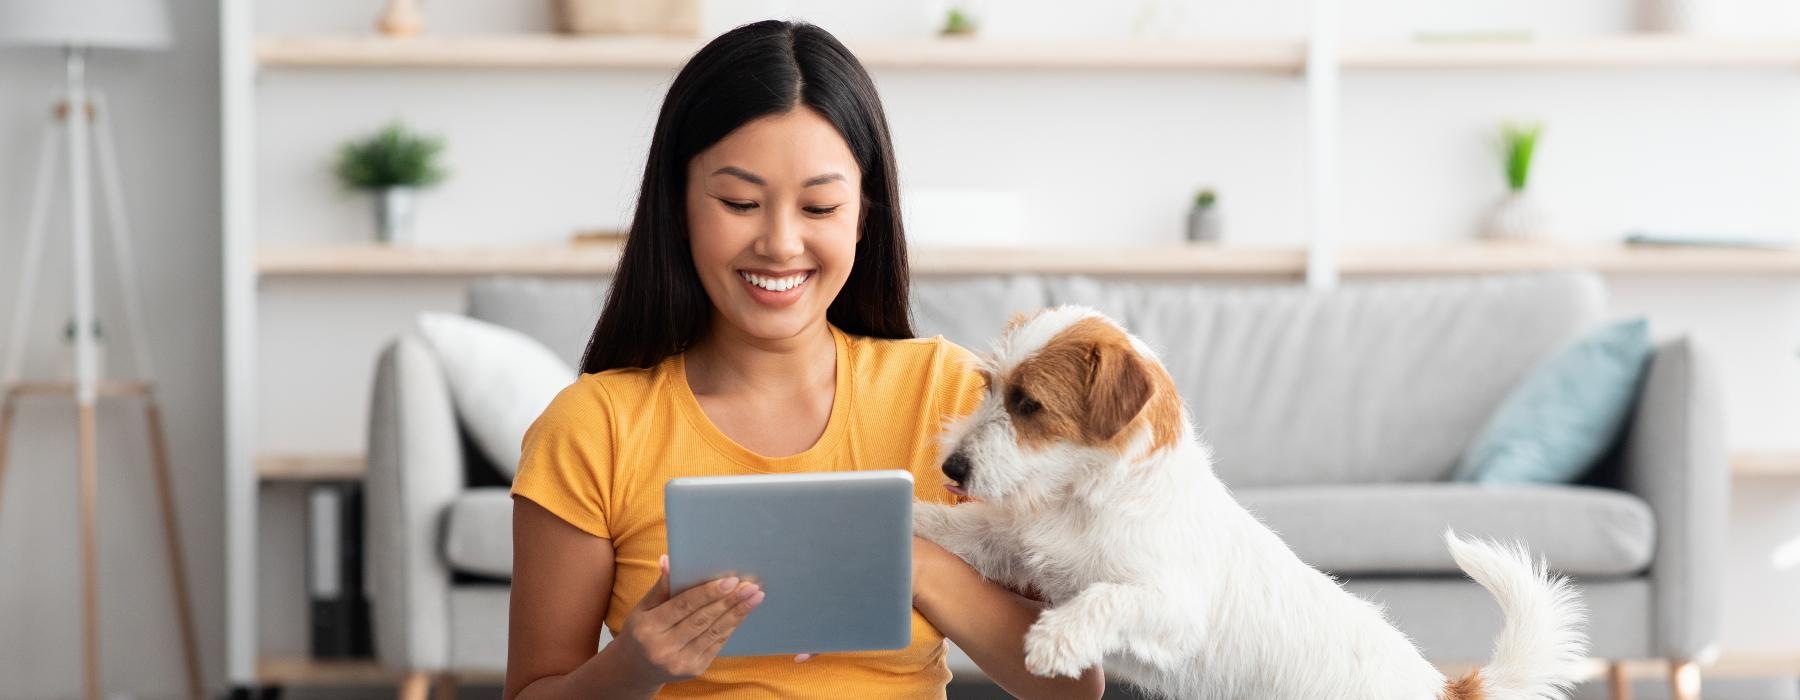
[[1085, 483]]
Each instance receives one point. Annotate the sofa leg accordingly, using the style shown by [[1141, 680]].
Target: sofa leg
[[444, 687], [1684, 680], [415, 686], [1618, 682]]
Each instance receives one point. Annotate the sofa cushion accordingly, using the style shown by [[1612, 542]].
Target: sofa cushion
[[560, 313], [478, 532], [1375, 381], [1368, 529]]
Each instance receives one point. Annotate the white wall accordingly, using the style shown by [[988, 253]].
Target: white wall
[[166, 123]]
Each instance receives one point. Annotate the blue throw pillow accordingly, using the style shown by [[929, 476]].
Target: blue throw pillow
[[1557, 423]]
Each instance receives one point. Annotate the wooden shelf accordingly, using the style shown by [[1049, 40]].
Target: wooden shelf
[[305, 671], [304, 467], [1274, 55], [1197, 259], [1766, 463], [1621, 51], [562, 51]]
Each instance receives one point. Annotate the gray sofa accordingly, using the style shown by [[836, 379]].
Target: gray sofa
[[1335, 416]]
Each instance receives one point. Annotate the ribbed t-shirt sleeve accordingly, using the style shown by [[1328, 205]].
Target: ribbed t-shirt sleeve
[[566, 460], [960, 388]]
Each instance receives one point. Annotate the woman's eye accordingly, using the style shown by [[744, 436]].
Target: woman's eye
[[739, 206], [821, 211]]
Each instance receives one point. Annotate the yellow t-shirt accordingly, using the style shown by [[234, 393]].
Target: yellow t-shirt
[[600, 453]]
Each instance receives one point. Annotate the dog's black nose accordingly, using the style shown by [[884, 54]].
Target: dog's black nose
[[957, 467]]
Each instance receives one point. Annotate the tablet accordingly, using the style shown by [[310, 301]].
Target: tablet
[[832, 552]]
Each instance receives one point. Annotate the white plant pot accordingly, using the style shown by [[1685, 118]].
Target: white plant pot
[[394, 208], [1516, 217], [1686, 16]]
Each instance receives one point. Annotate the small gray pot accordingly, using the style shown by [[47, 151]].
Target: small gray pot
[[1205, 224], [394, 208]]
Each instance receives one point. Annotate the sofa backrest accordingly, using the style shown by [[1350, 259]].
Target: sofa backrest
[[1376, 381]]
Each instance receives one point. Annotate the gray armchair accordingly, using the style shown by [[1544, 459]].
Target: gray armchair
[[1335, 416]]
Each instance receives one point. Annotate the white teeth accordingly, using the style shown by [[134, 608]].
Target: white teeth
[[775, 284]]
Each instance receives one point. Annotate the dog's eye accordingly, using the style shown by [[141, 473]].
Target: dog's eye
[[1022, 404]]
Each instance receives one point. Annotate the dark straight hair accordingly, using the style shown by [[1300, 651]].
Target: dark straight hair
[[656, 307]]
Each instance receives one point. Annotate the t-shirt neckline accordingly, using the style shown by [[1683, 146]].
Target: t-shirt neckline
[[809, 459]]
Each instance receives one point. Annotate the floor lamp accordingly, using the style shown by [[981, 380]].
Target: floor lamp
[[76, 26]]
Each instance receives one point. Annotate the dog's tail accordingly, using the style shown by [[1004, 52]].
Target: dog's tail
[[1541, 650]]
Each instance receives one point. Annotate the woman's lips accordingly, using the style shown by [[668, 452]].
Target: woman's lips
[[776, 299]]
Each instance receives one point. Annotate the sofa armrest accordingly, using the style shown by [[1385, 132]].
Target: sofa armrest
[[415, 470], [1675, 458]]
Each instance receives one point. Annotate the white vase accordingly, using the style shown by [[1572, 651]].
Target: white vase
[[394, 208], [1685, 16], [1516, 217]]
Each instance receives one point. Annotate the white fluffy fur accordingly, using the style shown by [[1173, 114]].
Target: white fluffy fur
[[1153, 569]]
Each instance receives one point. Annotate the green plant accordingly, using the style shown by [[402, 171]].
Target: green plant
[[392, 157], [958, 22], [1519, 142], [1206, 197]]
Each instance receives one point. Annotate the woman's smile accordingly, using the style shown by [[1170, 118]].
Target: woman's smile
[[775, 289]]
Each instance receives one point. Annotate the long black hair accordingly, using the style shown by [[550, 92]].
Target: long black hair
[[656, 307]]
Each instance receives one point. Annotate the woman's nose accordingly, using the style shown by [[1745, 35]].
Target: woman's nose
[[781, 240]]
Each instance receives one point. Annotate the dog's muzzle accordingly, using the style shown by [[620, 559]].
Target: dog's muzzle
[[957, 468]]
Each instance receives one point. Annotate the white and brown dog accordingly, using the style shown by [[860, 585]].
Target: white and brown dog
[[1089, 485]]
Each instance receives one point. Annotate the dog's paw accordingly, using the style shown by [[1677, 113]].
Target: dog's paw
[[931, 520], [1054, 648]]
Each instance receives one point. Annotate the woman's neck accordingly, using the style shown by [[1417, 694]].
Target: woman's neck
[[729, 361]]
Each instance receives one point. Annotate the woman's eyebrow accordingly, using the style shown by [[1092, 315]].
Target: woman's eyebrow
[[754, 179]]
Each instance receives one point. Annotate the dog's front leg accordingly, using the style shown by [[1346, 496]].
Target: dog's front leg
[[1077, 634], [968, 532]]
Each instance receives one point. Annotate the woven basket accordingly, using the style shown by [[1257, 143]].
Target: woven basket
[[667, 17]]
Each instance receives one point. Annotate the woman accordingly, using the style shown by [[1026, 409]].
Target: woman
[[760, 308]]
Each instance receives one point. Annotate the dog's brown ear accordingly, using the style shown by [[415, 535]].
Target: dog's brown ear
[[1118, 387]]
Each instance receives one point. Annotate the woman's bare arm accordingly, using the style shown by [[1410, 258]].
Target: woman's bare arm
[[989, 622], [562, 584]]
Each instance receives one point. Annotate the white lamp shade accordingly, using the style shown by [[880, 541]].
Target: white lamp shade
[[122, 24]]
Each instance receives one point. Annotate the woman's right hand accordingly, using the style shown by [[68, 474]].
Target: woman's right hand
[[674, 638]]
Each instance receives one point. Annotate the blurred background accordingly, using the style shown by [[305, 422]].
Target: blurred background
[[302, 179]]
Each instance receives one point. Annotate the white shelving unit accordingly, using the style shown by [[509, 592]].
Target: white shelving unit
[[1317, 60]]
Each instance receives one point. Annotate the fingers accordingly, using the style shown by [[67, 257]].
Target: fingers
[[710, 640], [658, 593], [708, 600]]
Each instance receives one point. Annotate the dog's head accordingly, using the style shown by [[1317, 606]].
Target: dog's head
[[1070, 394]]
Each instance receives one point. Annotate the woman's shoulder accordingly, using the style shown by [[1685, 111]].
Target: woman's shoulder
[[935, 355], [593, 392]]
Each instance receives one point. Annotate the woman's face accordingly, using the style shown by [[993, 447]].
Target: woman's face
[[772, 220]]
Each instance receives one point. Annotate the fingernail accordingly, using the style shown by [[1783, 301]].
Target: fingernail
[[728, 584], [748, 590], [802, 658], [757, 599]]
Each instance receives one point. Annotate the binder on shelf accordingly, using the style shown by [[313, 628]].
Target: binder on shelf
[[339, 603]]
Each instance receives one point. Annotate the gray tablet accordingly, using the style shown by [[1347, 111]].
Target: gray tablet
[[832, 551]]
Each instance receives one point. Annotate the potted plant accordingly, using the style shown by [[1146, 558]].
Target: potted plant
[[1517, 216], [958, 21], [1205, 223], [392, 164]]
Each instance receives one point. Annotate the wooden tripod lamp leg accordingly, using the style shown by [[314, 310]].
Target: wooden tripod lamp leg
[[90, 594], [172, 536], [6, 419]]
